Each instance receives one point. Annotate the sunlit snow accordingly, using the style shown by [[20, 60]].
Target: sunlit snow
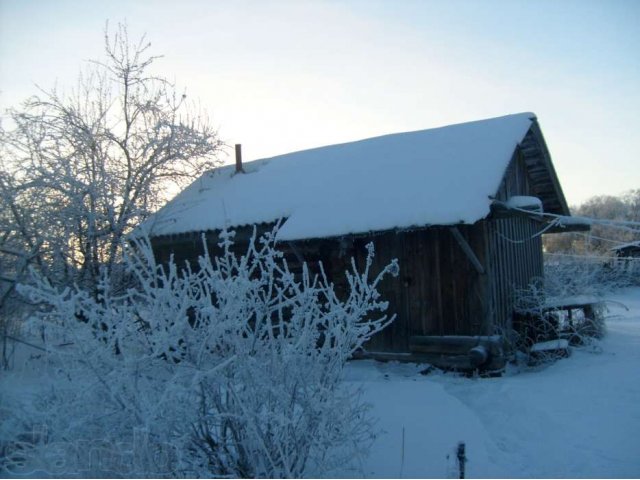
[[576, 418], [438, 176]]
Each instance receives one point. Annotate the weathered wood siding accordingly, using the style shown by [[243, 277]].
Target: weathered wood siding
[[438, 290], [187, 247], [515, 259], [514, 246], [516, 180]]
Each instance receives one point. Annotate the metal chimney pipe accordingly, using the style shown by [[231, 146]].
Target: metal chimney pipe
[[239, 158]]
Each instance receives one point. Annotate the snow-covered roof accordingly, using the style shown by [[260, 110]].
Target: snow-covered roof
[[524, 203], [438, 176]]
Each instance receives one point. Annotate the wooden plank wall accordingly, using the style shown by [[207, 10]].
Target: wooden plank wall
[[516, 180], [514, 246], [187, 247], [515, 253], [438, 291]]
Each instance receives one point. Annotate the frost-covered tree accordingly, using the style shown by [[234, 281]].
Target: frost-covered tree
[[603, 236], [80, 168], [230, 368]]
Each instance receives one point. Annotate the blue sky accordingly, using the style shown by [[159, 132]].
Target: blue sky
[[279, 76]]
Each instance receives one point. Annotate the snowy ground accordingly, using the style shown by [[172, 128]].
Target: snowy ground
[[579, 417]]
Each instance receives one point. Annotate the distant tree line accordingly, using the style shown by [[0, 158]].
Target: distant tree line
[[602, 238]]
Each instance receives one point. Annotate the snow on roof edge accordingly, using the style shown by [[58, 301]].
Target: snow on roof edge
[[211, 202]]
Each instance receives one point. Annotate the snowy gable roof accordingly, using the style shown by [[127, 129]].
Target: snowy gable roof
[[430, 177]]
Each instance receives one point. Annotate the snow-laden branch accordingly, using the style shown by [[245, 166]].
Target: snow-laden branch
[[235, 361], [84, 166]]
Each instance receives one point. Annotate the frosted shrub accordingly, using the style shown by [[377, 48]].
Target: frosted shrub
[[229, 368], [531, 322], [567, 275], [540, 314]]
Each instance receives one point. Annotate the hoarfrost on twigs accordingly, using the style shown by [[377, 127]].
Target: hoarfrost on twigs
[[235, 362]]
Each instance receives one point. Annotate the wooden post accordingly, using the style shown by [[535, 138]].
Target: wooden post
[[462, 458], [239, 168]]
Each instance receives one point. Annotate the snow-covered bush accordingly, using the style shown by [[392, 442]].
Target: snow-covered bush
[[232, 367], [542, 314], [567, 275]]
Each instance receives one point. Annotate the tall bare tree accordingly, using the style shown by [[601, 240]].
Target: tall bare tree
[[81, 168]]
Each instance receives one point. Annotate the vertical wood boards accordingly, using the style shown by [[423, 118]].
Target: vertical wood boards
[[515, 251], [438, 292], [514, 245]]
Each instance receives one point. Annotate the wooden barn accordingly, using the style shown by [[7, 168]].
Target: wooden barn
[[461, 208]]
